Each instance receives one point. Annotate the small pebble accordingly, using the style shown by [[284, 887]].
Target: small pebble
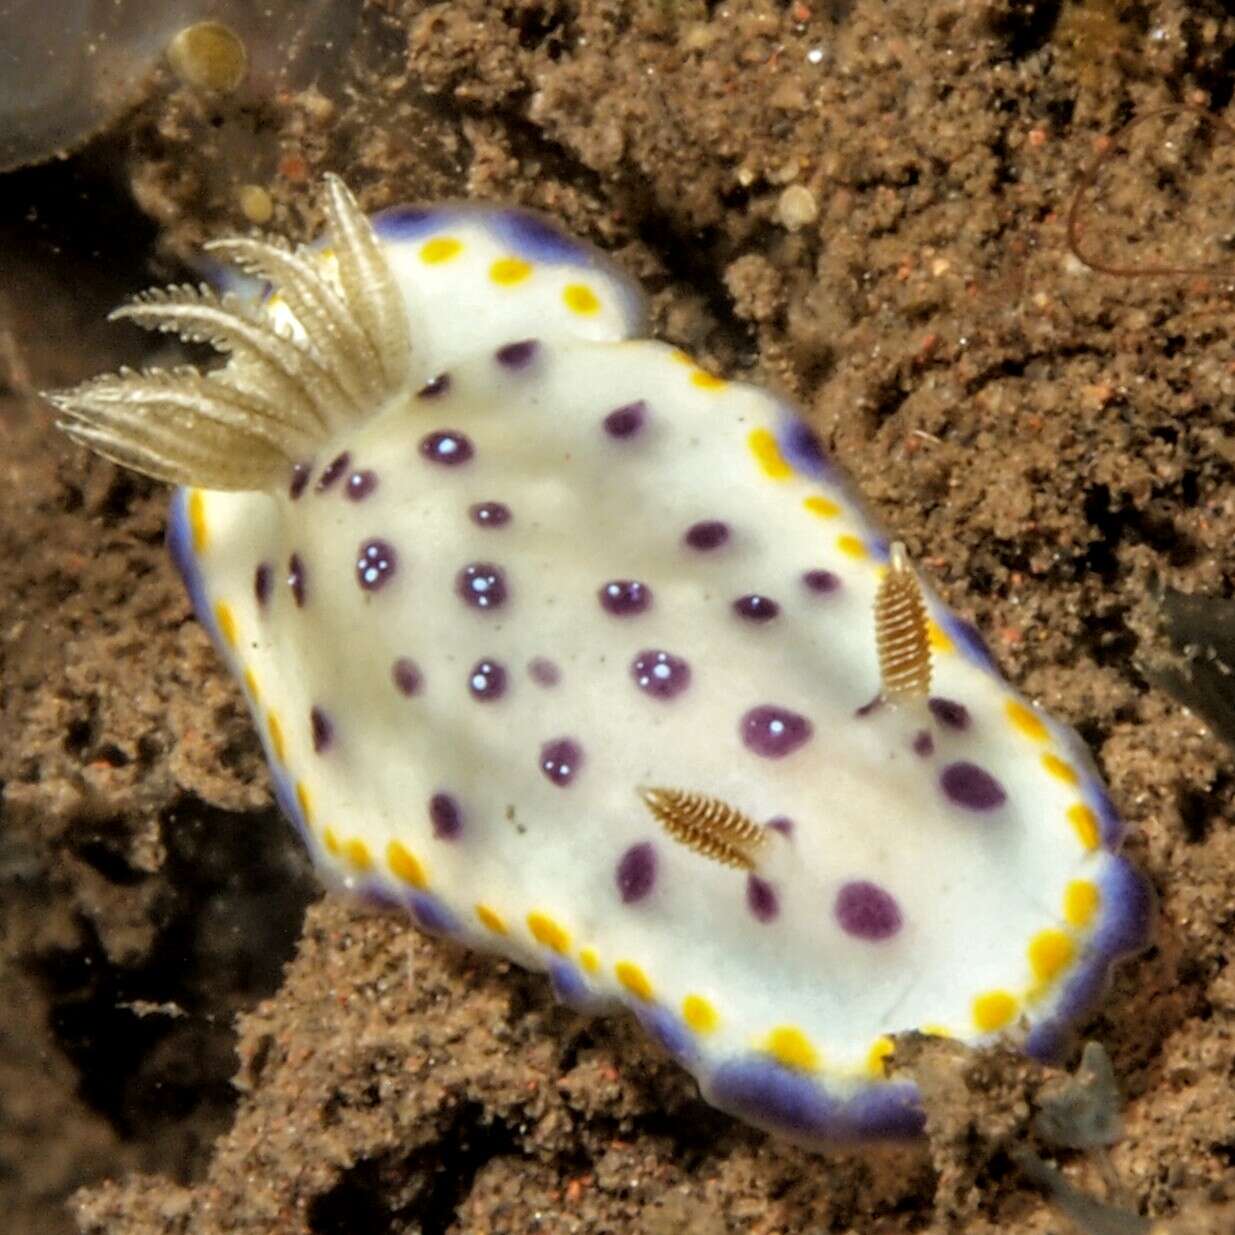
[[255, 203], [797, 208], [209, 56]]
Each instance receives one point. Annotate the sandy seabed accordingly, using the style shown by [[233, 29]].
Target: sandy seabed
[[862, 204]]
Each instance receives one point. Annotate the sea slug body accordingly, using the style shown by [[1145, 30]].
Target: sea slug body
[[590, 658]]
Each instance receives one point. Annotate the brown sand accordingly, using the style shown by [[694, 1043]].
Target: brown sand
[[1051, 443]]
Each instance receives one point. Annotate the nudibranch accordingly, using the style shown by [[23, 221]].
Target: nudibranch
[[590, 658]]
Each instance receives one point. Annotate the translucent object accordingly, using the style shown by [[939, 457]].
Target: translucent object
[[1091, 1215], [1198, 667], [68, 68], [65, 70], [1083, 1112]]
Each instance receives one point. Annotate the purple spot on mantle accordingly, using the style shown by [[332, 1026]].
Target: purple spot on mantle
[[636, 872], [482, 585], [626, 421], [434, 387], [295, 579], [865, 911], [949, 713], [660, 674], [517, 355], [406, 676], [376, 562], [707, 535], [445, 816], [321, 728], [300, 478], [560, 760], [970, 786], [923, 744], [261, 584], [782, 824], [543, 671], [625, 597], [487, 680], [774, 732], [447, 447], [868, 708], [761, 899], [489, 514], [361, 484], [755, 608], [820, 581], [332, 471]]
